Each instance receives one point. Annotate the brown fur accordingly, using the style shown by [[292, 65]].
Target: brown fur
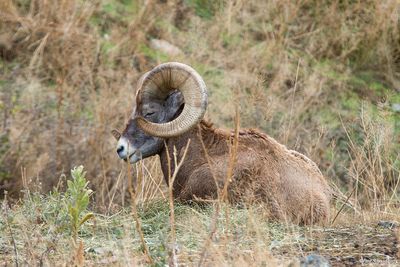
[[288, 182]]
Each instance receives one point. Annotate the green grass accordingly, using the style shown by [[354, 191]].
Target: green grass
[[205, 9], [153, 54], [39, 226]]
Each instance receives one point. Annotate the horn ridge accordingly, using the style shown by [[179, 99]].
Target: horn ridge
[[165, 78]]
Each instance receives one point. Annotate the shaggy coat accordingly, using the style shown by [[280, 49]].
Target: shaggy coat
[[290, 184]]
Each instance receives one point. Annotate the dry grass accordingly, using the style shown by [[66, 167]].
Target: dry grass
[[322, 77]]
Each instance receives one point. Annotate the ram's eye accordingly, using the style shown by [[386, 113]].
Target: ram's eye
[[149, 114]]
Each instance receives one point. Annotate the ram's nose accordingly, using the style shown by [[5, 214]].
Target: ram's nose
[[121, 151], [123, 148]]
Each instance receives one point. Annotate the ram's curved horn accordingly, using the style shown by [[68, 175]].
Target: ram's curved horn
[[157, 84]]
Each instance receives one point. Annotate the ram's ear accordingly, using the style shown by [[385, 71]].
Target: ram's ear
[[116, 134], [173, 104]]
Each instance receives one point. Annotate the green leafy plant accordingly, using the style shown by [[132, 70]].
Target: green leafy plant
[[77, 200]]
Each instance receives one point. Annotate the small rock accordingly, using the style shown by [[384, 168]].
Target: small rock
[[165, 47], [388, 224], [314, 260], [396, 107]]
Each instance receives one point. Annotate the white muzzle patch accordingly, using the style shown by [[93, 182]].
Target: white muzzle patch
[[125, 149]]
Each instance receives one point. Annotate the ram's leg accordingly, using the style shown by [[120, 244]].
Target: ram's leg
[[319, 211], [199, 186]]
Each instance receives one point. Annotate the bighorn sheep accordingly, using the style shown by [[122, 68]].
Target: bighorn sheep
[[171, 101]]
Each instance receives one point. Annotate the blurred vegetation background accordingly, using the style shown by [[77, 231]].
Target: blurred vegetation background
[[322, 77]]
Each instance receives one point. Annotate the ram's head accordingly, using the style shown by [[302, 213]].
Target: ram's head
[[170, 100]]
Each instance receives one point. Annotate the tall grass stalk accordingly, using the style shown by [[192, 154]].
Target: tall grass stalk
[[173, 261], [223, 195], [135, 214]]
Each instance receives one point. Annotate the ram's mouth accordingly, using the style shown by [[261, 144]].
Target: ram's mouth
[[131, 155], [134, 157]]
